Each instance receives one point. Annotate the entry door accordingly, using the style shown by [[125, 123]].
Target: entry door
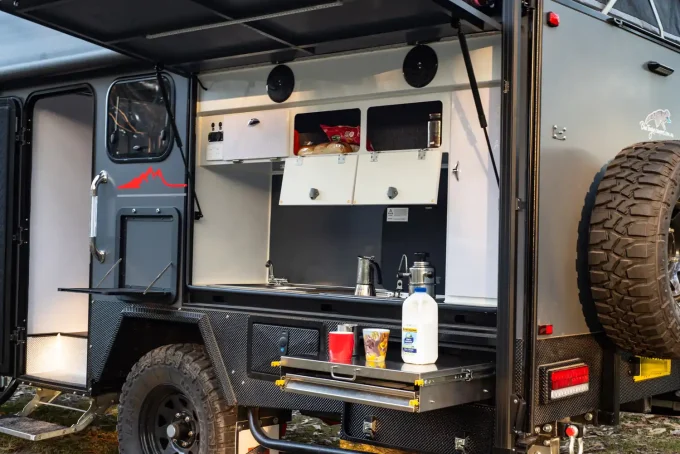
[[10, 119], [140, 188]]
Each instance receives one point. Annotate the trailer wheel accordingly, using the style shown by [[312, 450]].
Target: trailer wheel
[[633, 251], [172, 403]]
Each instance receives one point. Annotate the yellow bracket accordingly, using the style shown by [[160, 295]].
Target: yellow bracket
[[651, 368], [420, 382], [280, 383], [414, 403], [276, 363]]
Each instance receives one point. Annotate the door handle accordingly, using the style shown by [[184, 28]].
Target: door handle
[[102, 177]]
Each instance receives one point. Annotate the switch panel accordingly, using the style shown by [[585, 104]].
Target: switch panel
[[215, 148]]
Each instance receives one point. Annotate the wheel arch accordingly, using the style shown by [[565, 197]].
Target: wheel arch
[[142, 330]]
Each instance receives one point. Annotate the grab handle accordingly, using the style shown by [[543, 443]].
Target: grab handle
[[102, 177], [337, 377]]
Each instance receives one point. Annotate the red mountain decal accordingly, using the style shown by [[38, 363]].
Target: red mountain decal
[[136, 182]]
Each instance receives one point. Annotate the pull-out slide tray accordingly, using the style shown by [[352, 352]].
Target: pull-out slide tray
[[452, 381]]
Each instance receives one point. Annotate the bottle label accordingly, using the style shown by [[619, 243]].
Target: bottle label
[[409, 337]]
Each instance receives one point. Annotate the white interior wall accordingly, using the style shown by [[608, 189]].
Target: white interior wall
[[473, 203], [350, 77], [231, 243], [57, 358], [60, 212]]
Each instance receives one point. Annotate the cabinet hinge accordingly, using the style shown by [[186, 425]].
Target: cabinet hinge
[[22, 135], [18, 335], [20, 236]]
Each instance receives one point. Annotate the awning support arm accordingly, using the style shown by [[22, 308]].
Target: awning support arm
[[178, 140]]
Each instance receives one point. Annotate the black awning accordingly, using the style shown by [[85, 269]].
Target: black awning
[[195, 35]]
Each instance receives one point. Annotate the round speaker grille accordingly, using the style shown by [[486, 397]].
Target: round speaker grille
[[280, 83], [420, 66]]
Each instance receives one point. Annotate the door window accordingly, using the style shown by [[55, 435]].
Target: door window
[[137, 124]]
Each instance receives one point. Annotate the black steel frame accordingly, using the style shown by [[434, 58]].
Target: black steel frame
[[511, 54], [10, 317], [532, 179]]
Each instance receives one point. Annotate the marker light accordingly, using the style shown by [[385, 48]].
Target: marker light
[[553, 19]]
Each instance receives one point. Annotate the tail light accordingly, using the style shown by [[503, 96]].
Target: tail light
[[564, 379]]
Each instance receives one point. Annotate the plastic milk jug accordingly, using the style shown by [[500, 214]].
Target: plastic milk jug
[[420, 328]]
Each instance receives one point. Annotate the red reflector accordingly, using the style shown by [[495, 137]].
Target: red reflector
[[545, 329], [567, 378], [571, 431], [553, 19]]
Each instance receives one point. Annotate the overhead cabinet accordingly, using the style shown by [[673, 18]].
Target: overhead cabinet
[[400, 177], [319, 180], [256, 135]]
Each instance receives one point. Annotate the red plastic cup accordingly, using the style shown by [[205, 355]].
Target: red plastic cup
[[340, 346]]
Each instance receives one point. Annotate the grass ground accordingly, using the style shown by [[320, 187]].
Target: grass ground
[[637, 434]]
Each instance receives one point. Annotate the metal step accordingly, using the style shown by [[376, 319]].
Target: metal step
[[32, 429], [22, 426]]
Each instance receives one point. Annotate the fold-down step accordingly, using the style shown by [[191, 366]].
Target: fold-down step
[[394, 385]]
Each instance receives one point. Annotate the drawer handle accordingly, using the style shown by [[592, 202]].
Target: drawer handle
[[337, 377], [253, 122]]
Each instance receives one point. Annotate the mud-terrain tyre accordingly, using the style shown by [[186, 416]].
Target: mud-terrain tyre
[[175, 385], [628, 257]]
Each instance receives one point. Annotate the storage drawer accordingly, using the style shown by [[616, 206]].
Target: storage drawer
[[256, 135], [452, 381], [398, 178], [319, 180]]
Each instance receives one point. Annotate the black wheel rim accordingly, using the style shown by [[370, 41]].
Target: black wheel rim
[[169, 423]]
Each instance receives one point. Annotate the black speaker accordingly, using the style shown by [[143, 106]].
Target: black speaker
[[420, 66], [280, 83]]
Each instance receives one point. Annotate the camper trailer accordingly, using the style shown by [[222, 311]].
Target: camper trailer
[[196, 195]]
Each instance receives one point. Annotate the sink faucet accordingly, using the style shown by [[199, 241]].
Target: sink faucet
[[271, 280]]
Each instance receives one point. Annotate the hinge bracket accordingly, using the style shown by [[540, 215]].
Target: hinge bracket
[[18, 335], [518, 407], [18, 237]]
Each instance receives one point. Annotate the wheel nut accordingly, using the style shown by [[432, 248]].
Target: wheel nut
[[547, 428], [187, 419]]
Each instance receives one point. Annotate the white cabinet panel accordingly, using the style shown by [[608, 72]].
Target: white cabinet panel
[[415, 180], [332, 176], [256, 135], [472, 224]]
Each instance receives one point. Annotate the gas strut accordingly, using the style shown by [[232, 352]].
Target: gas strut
[[178, 140], [475, 94]]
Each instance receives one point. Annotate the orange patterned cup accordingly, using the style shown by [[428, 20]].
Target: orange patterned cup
[[375, 344]]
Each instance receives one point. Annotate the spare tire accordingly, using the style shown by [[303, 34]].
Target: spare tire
[[633, 254]]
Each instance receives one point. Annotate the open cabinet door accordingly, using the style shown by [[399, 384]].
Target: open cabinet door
[[10, 119]]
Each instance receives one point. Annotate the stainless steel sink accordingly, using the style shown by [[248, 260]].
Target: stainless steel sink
[[311, 289]]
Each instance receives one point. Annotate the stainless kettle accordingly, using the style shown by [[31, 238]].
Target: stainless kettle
[[367, 268]]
